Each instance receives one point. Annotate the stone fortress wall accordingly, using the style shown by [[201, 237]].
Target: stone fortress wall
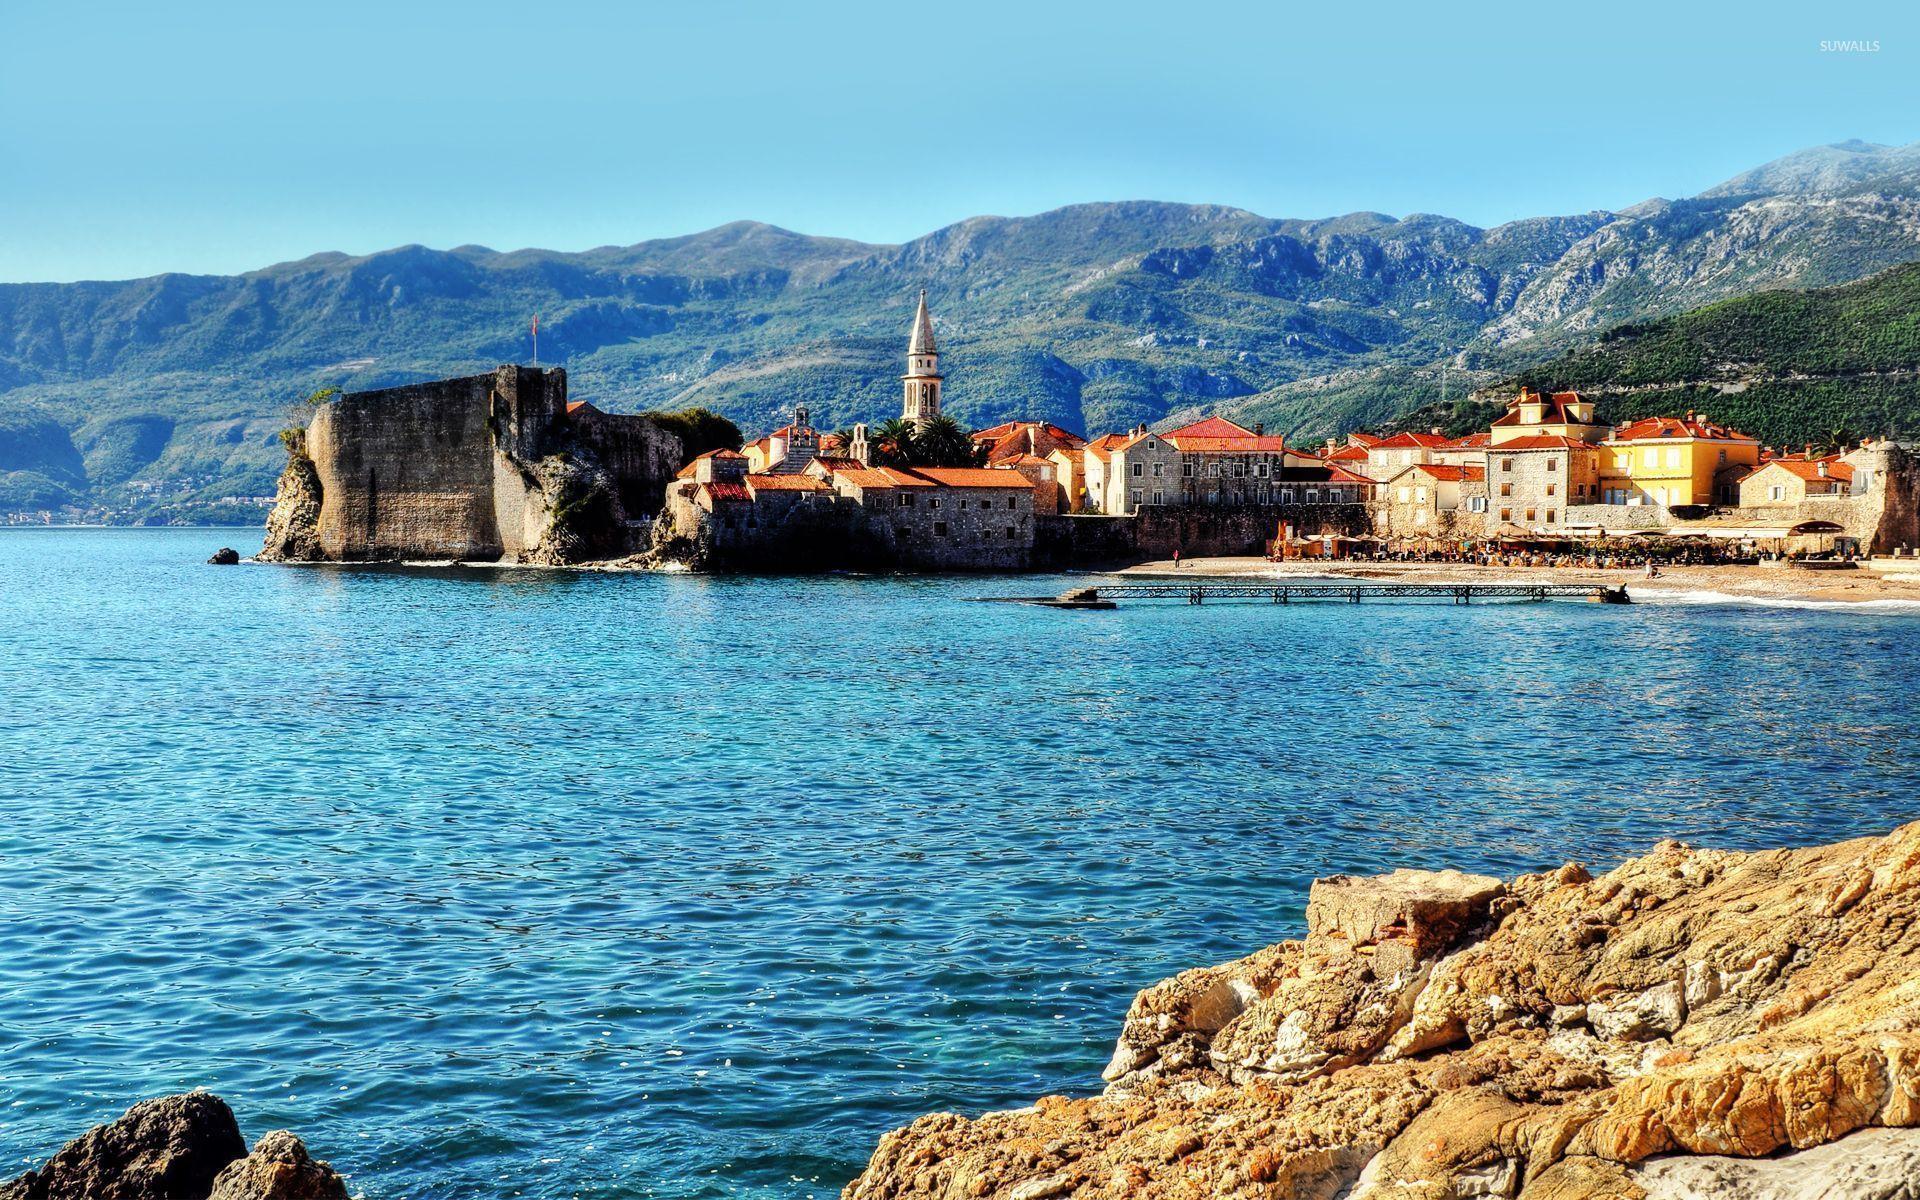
[[478, 469]]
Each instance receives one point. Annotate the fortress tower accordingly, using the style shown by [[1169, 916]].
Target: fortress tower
[[922, 380]]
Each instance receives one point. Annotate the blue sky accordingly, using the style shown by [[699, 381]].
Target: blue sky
[[216, 137]]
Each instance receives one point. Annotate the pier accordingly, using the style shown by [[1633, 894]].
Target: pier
[[1108, 595]]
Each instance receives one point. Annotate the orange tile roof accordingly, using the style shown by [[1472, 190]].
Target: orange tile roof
[[1349, 454], [785, 483], [1689, 426], [974, 477], [574, 406], [1451, 472], [1540, 441], [1810, 470], [874, 477], [835, 463], [1473, 441], [725, 489], [1365, 441], [1103, 446], [1342, 475], [1190, 443], [1212, 427], [1407, 441]]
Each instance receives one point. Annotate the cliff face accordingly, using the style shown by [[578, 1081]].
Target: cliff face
[[1650, 1033], [482, 468]]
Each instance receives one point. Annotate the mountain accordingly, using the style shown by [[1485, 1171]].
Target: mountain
[[1787, 367], [158, 397]]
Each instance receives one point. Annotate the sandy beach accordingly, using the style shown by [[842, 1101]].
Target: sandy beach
[[1862, 585]]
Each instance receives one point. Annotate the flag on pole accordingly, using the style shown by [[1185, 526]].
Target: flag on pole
[[536, 339]]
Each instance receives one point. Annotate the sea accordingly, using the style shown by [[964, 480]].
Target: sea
[[511, 882]]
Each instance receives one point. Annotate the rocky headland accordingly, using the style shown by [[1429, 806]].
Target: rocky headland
[[1693, 1023], [178, 1148]]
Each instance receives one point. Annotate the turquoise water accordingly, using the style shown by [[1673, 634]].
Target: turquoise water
[[572, 885]]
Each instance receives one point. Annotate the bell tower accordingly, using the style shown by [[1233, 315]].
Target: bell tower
[[922, 380]]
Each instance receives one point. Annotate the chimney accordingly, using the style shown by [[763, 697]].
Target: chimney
[[1332, 446], [1259, 429], [1823, 468], [1435, 431], [1808, 450]]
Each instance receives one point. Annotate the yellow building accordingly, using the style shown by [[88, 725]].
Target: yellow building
[[1672, 461], [1535, 414]]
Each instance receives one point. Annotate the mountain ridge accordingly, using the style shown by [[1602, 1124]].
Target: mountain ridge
[[1095, 315]]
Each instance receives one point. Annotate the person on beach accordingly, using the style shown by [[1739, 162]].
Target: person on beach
[[1653, 572], [1176, 558]]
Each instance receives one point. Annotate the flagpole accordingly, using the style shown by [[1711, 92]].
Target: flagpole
[[536, 339]]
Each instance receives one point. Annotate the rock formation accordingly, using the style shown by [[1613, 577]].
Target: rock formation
[[178, 1148], [484, 468], [1693, 1023]]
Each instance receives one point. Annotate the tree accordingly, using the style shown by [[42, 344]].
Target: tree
[[699, 430], [299, 415], [893, 442], [943, 443]]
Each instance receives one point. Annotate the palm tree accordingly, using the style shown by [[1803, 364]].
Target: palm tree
[[943, 443], [894, 442]]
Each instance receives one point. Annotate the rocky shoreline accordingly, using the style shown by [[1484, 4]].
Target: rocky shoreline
[[184, 1147], [1694, 1023]]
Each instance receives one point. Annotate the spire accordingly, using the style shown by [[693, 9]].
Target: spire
[[922, 342]]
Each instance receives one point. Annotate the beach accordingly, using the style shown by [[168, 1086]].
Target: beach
[[1881, 582]]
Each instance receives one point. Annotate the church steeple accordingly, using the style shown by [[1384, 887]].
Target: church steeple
[[922, 380]]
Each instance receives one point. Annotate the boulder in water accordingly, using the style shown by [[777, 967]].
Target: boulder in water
[[171, 1148], [279, 1169], [225, 556]]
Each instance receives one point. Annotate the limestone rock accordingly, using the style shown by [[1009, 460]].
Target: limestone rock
[[279, 1169], [225, 556], [1557, 1037], [1874, 1164], [293, 524], [165, 1149]]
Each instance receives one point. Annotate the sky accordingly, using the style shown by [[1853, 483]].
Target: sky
[[215, 137]]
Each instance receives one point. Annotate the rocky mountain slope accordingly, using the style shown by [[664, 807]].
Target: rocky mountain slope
[[163, 394], [1694, 1023]]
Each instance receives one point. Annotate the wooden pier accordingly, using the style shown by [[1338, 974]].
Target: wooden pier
[[1107, 595]]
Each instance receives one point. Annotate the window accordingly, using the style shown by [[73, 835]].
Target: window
[[1529, 514], [1405, 493], [1553, 464], [904, 500], [1239, 470], [963, 506], [1156, 470], [1506, 464], [1506, 489], [933, 503], [1136, 470], [1420, 495], [1652, 456], [1186, 468], [1009, 532], [1777, 492], [1158, 498], [1313, 496], [1673, 456], [1286, 495], [1506, 514], [939, 529], [1136, 495], [1012, 502], [1213, 469], [1551, 487], [1420, 518], [1261, 470], [1476, 504]]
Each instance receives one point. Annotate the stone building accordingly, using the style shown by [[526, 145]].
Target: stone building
[[1213, 462], [1387, 457], [1789, 482], [1433, 500], [1558, 414], [1531, 481]]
